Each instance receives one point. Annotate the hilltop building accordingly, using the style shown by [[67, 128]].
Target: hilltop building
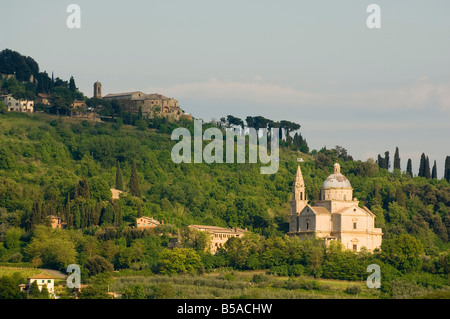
[[336, 216], [150, 104], [15, 105]]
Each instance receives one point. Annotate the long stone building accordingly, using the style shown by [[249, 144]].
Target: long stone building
[[151, 105], [336, 216]]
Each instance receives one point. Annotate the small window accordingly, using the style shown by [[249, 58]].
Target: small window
[[307, 226], [354, 225], [49, 281], [355, 247]]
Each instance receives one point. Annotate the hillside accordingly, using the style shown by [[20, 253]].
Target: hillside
[[45, 160]]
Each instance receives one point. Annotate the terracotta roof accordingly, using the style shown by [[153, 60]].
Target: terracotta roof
[[217, 229], [41, 276], [320, 210]]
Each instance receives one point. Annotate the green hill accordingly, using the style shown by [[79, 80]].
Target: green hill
[[64, 166]]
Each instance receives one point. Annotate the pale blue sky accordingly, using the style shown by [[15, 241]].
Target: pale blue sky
[[312, 62]]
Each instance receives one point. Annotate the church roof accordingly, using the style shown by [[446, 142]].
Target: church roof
[[320, 210], [336, 180]]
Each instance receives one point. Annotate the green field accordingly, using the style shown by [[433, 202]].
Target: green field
[[238, 285]]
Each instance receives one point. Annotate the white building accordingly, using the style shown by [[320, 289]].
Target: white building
[[17, 105], [336, 216], [41, 280]]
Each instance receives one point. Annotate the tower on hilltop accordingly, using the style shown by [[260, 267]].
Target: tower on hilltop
[[299, 200], [97, 90]]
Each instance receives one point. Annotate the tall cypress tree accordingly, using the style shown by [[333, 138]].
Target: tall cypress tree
[[107, 217], [427, 168], [386, 159], [82, 189], [447, 169], [139, 213], [422, 165], [119, 182], [434, 171], [135, 189], [409, 168], [396, 159]]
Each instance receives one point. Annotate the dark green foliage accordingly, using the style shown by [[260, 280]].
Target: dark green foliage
[[427, 173], [82, 189], [134, 186], [98, 264], [396, 159], [422, 165], [12, 62], [434, 171], [447, 169], [9, 287], [107, 215], [44, 293], [33, 290], [409, 168], [403, 252], [119, 177], [353, 290]]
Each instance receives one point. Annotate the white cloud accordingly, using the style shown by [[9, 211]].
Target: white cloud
[[422, 93]]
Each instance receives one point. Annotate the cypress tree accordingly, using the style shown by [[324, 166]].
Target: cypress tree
[[409, 168], [447, 169], [82, 189], [107, 217], [117, 214], [135, 189], [422, 165], [139, 213], [33, 290], [45, 294], [427, 168], [396, 159], [434, 171], [119, 182], [386, 159]]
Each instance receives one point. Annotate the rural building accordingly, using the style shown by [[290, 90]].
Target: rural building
[[41, 280], [57, 222], [219, 235], [20, 105], [147, 222]]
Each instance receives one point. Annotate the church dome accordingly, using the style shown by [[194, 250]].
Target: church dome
[[336, 180]]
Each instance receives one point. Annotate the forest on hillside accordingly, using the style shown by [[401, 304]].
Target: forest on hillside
[[62, 166]]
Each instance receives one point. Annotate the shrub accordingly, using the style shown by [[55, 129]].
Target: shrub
[[352, 290]]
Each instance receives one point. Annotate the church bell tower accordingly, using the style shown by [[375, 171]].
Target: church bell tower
[[97, 90], [298, 201]]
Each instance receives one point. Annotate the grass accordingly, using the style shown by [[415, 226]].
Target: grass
[[23, 271], [242, 285]]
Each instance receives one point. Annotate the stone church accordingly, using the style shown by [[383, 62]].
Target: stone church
[[336, 216]]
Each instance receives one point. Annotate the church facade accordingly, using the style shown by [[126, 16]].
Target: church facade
[[336, 216]]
